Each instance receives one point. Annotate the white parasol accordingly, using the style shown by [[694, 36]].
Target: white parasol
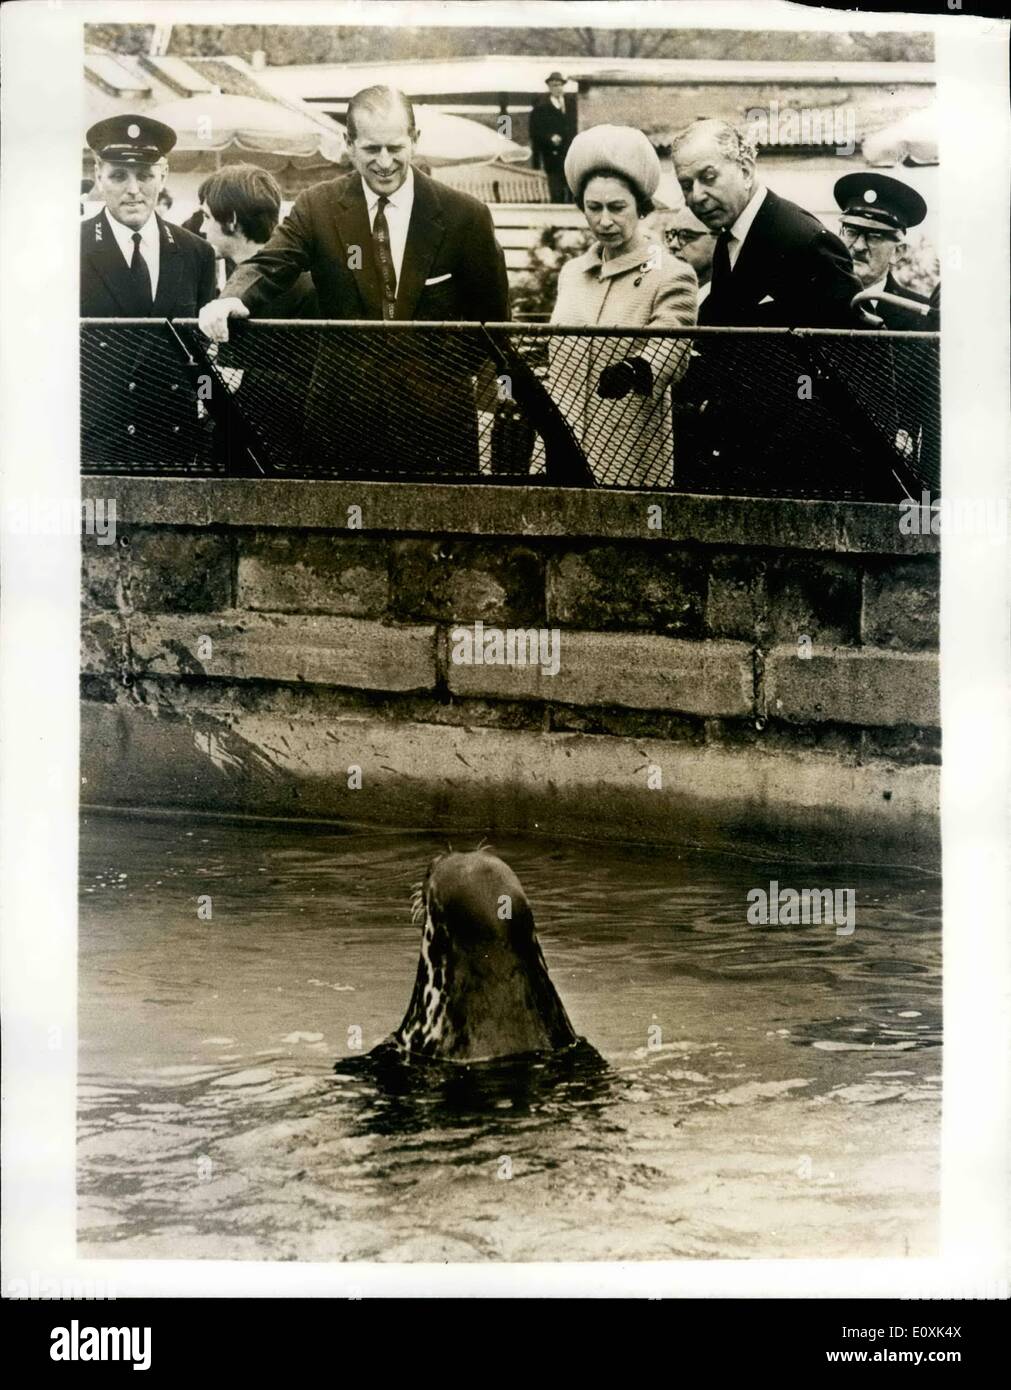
[[912, 139], [446, 139], [214, 123]]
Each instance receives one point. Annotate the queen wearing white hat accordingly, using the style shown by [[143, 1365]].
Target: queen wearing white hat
[[613, 390]]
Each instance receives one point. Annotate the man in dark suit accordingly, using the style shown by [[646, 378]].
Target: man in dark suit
[[780, 416], [774, 265], [384, 242], [134, 264], [551, 132]]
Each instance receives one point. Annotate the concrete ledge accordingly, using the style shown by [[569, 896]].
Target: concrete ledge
[[434, 777], [281, 647], [853, 686], [483, 509], [631, 670]]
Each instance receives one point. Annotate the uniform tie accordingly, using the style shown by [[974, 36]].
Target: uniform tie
[[384, 257], [140, 275]]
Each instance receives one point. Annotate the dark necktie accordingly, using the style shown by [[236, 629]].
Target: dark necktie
[[721, 262], [384, 259], [140, 275]]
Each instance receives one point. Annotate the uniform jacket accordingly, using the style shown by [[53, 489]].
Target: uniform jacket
[[386, 401], [138, 408], [896, 319], [628, 440], [932, 323], [185, 274], [791, 272], [916, 387]]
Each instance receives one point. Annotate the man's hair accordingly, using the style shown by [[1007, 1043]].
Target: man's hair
[[732, 143], [376, 100], [644, 205], [246, 197]]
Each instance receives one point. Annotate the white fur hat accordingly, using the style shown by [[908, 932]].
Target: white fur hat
[[619, 147]]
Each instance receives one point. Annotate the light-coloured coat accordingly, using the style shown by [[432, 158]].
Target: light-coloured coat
[[626, 441]]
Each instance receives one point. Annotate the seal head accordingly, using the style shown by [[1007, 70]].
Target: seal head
[[482, 990]]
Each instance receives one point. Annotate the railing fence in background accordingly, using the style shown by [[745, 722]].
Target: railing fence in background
[[809, 413]]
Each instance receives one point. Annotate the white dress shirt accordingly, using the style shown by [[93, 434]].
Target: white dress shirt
[[150, 244], [742, 226], [398, 216]]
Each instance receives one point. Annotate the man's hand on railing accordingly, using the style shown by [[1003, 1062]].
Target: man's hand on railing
[[619, 378], [883, 297], [214, 317]]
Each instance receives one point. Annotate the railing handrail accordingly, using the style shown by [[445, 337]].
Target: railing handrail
[[537, 329]]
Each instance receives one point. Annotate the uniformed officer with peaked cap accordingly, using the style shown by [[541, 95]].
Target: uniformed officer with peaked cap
[[136, 407], [134, 264], [131, 139], [877, 211]]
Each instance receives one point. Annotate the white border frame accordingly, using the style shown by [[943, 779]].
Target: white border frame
[[42, 96]]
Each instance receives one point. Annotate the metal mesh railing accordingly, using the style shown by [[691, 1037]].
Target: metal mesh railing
[[754, 412]]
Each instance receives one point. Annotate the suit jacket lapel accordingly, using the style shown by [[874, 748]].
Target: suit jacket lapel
[[750, 260], [107, 260], [170, 270], [425, 232], [354, 230]]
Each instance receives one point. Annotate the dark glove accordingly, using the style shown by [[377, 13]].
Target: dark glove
[[619, 378]]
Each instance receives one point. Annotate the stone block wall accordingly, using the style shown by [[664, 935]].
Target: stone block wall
[[725, 666]]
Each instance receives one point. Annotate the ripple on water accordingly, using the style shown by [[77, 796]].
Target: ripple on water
[[211, 1124]]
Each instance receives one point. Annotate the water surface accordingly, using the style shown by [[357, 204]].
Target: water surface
[[763, 1091]]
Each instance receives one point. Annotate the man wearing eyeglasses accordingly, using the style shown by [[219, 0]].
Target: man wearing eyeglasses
[[692, 241], [877, 211]]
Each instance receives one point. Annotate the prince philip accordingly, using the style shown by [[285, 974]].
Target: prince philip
[[385, 242]]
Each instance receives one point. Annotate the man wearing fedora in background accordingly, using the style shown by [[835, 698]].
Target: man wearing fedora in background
[[551, 133], [877, 211], [134, 264]]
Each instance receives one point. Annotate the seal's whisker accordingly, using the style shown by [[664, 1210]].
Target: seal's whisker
[[418, 901]]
